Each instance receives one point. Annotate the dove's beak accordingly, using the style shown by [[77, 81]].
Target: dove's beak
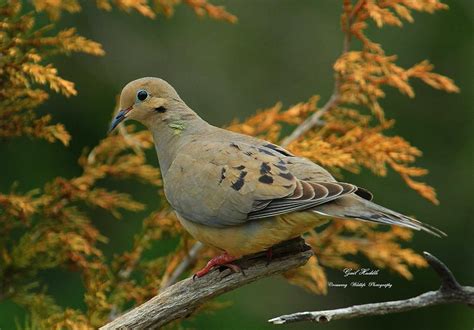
[[119, 118]]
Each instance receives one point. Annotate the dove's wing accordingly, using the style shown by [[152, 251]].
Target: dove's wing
[[224, 183]]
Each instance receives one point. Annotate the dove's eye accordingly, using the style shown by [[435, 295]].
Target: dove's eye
[[142, 95]]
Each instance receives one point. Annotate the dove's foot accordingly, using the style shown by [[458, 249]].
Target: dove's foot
[[221, 260]]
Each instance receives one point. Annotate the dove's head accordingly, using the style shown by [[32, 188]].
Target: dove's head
[[147, 100]]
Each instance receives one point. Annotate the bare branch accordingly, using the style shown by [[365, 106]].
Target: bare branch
[[181, 299], [184, 265], [450, 292], [311, 121]]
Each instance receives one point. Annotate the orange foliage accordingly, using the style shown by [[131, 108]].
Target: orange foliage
[[145, 8]]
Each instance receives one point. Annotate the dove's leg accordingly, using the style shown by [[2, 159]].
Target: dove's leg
[[224, 259]]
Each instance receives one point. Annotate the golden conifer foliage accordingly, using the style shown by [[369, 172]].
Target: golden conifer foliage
[[25, 48], [56, 232], [52, 227], [145, 8]]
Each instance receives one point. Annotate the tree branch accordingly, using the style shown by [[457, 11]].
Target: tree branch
[[183, 266], [313, 120], [449, 292], [181, 299]]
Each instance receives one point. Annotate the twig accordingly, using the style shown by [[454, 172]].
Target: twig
[[181, 299], [311, 121], [187, 262], [449, 292]]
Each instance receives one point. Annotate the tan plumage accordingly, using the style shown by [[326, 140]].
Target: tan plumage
[[236, 192]]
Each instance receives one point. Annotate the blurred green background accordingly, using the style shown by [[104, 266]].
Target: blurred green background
[[279, 50]]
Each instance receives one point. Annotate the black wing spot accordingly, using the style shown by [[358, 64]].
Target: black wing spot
[[266, 179], [222, 175], [233, 145], [248, 153], [240, 167], [265, 168], [286, 175], [240, 181]]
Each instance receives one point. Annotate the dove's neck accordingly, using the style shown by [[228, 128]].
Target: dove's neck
[[171, 132]]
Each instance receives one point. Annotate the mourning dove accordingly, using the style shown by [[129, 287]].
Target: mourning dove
[[238, 193]]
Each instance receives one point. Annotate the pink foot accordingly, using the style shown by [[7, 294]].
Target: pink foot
[[221, 260]]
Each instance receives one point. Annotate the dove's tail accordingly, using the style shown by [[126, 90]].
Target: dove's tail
[[354, 207]]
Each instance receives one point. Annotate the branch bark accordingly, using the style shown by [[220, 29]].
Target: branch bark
[[181, 299], [450, 292]]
